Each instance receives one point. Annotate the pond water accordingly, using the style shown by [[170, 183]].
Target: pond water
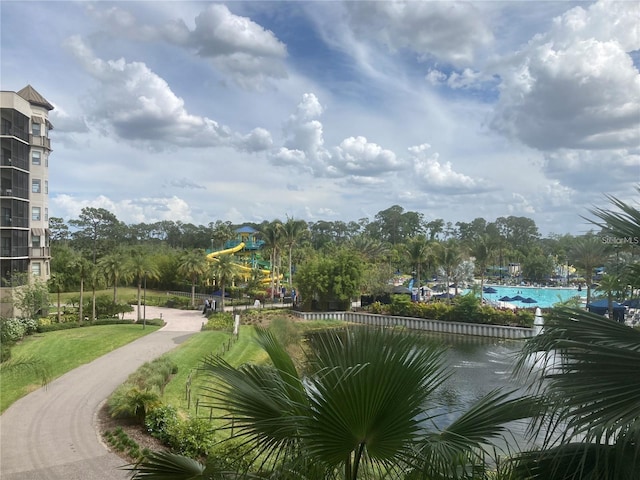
[[479, 366]]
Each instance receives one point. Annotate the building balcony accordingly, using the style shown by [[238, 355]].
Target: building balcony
[[40, 141], [15, 132], [40, 252]]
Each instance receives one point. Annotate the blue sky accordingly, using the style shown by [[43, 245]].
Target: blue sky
[[251, 111]]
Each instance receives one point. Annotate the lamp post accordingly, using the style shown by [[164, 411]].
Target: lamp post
[[144, 308]]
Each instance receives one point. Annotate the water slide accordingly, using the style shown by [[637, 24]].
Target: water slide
[[212, 258]]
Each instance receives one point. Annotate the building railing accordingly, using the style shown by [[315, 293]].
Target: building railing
[[13, 252], [40, 141], [40, 252], [15, 132]]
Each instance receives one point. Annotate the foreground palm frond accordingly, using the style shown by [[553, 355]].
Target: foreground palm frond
[[588, 370], [167, 466]]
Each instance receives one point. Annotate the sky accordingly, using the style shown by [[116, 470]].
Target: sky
[[332, 110]]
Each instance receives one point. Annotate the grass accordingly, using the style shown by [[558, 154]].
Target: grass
[[190, 354], [59, 352]]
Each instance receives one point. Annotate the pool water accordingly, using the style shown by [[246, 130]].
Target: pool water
[[545, 297]]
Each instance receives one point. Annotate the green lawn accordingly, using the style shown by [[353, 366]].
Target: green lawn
[[59, 352], [190, 354]]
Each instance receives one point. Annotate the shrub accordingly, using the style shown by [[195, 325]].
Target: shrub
[[5, 352], [14, 329], [161, 422], [178, 302], [219, 321], [192, 437], [129, 401], [230, 456]]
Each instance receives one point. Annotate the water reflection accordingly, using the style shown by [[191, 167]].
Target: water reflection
[[479, 365]]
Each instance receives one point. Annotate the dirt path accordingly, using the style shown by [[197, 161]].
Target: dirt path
[[50, 434]]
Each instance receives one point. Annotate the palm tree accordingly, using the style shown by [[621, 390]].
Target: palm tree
[[192, 264], [95, 279], [591, 385], [82, 265], [589, 253], [589, 380], [449, 257], [57, 281], [292, 232], [417, 250], [272, 236], [361, 406], [115, 269], [141, 267], [482, 249], [610, 285], [224, 269]]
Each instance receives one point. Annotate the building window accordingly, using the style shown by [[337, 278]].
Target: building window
[[35, 129], [35, 157], [46, 161], [35, 269], [46, 187], [35, 214], [35, 241], [35, 185], [46, 214]]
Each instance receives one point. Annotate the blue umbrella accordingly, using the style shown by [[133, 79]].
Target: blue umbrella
[[506, 299], [518, 298], [490, 290], [529, 300]]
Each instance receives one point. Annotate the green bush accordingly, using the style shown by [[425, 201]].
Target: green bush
[[219, 321], [60, 326], [175, 301], [14, 329], [153, 375], [158, 322], [192, 437], [161, 422], [129, 401], [230, 456]]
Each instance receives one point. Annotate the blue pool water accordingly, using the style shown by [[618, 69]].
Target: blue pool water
[[545, 297]]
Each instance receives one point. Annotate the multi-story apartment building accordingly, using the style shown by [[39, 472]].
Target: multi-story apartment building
[[24, 188]]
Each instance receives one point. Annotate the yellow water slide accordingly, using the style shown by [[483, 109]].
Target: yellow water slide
[[212, 258]]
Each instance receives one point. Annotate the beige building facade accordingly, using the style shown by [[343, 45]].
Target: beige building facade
[[24, 190]]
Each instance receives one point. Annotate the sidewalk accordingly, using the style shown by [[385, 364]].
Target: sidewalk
[[50, 434]]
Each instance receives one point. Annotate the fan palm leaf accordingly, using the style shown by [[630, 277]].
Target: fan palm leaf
[[590, 378]]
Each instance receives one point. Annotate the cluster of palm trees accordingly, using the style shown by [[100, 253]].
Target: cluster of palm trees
[[360, 406]]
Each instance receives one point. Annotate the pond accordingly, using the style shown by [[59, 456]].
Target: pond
[[479, 366]]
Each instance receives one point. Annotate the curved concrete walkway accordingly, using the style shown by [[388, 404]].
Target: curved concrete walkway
[[50, 434]]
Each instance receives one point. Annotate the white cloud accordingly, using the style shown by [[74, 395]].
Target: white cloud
[[447, 31], [575, 87], [249, 55], [145, 209], [432, 175], [358, 156], [138, 105]]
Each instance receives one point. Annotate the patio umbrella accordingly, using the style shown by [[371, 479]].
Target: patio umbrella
[[490, 290], [506, 299], [518, 298], [529, 300]]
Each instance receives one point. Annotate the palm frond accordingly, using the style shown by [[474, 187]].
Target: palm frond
[[369, 388], [579, 461], [166, 466], [463, 445]]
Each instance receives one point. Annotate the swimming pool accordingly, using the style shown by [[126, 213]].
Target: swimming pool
[[545, 297]]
